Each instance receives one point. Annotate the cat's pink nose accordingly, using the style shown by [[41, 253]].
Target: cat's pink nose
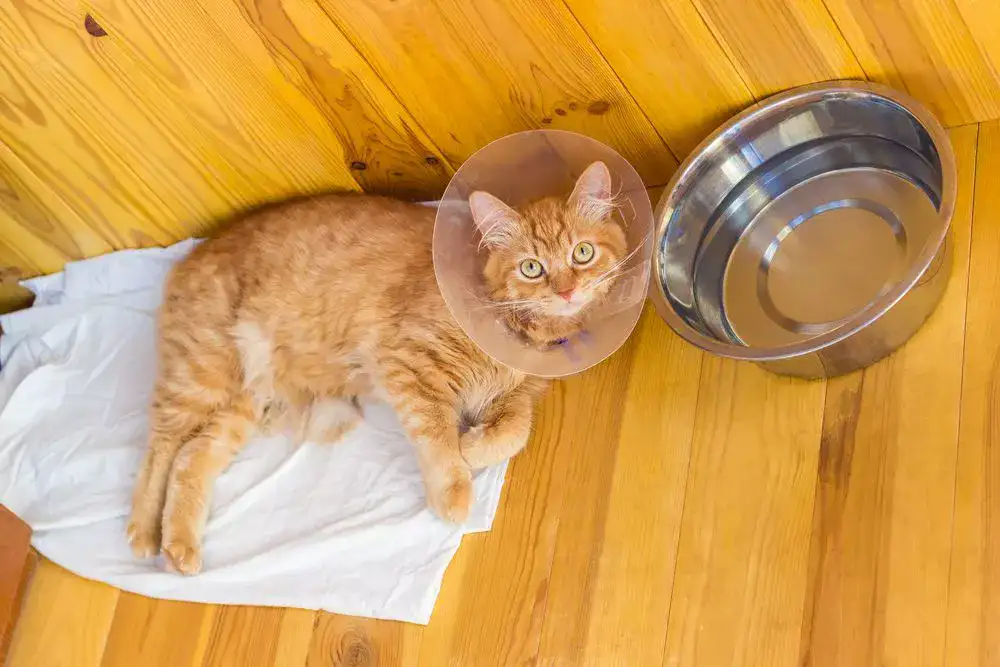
[[566, 294]]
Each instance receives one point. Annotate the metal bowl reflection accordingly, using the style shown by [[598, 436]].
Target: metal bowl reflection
[[809, 234]]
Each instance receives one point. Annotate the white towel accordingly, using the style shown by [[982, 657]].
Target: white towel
[[337, 527]]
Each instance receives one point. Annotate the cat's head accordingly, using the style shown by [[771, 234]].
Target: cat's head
[[555, 257]]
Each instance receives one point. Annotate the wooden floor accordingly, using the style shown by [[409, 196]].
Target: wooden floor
[[681, 510], [128, 123]]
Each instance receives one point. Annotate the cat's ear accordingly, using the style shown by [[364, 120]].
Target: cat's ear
[[497, 221], [591, 197]]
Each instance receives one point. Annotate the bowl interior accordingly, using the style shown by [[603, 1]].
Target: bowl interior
[[801, 219]]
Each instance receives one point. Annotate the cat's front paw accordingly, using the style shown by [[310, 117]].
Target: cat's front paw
[[183, 556], [143, 538], [474, 446], [451, 497], [489, 445], [472, 437]]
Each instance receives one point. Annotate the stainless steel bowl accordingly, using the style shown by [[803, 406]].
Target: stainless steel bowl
[[810, 233]]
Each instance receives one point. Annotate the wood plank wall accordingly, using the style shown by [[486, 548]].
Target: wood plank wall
[[126, 123]]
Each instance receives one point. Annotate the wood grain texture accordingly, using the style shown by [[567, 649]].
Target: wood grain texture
[[244, 636], [882, 522], [157, 633], [588, 448], [980, 18], [929, 399], [974, 593], [40, 231], [740, 581], [613, 568], [779, 44], [64, 621], [385, 149], [677, 509], [16, 566], [670, 62], [926, 49], [179, 114], [343, 641], [127, 124], [492, 608], [671, 509], [474, 72], [294, 637]]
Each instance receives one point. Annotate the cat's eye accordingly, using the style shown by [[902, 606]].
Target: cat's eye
[[583, 252], [531, 269]]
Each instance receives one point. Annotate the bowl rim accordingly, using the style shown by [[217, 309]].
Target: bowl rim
[[796, 96]]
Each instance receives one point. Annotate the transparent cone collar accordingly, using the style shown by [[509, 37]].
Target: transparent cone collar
[[514, 171]]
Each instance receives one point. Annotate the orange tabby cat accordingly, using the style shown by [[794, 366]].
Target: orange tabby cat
[[293, 313]]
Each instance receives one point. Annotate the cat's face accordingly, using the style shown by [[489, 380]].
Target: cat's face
[[554, 257]]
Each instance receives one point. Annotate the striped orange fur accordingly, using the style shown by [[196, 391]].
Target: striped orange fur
[[293, 313]]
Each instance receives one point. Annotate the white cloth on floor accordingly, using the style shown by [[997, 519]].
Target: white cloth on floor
[[337, 527]]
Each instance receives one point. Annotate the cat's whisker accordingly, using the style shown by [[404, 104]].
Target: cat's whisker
[[502, 307], [488, 301], [597, 208], [629, 256], [625, 219], [608, 276], [510, 307], [596, 286], [501, 302], [615, 268], [498, 231]]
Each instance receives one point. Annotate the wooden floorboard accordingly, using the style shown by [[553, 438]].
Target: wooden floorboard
[[681, 510], [17, 564], [138, 123], [972, 639], [64, 622], [881, 527]]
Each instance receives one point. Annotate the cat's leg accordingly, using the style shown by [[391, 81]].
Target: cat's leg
[[431, 423], [173, 420], [503, 432], [308, 418], [194, 472], [327, 420]]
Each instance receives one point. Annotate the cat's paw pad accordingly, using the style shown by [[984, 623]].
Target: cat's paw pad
[[453, 501], [144, 541], [183, 557]]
